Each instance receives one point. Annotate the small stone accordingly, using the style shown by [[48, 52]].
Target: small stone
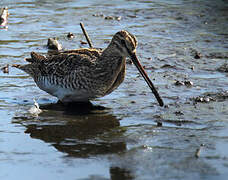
[[83, 42], [159, 124], [178, 83], [98, 15], [5, 69], [223, 68], [53, 44], [16, 65], [178, 113], [200, 99], [188, 83], [198, 151], [197, 55], [166, 106], [118, 18], [70, 35], [206, 99], [132, 16]]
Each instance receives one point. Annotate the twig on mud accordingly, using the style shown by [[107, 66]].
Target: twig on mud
[[86, 35]]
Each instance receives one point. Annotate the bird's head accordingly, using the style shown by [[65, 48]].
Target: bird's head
[[125, 42]]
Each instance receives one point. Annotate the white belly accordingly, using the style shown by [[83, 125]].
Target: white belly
[[66, 94]]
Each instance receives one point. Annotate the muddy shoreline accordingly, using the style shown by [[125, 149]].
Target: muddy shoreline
[[129, 136]]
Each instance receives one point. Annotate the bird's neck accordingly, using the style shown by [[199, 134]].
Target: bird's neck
[[108, 67], [112, 59], [113, 50]]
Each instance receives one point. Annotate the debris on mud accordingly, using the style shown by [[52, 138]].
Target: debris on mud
[[98, 15], [223, 68], [118, 18], [159, 124], [188, 83], [179, 83], [203, 99], [15, 65], [70, 35], [196, 54], [35, 110], [5, 69], [217, 55], [53, 44], [168, 66], [208, 97], [219, 96], [198, 151], [182, 83], [4, 16], [83, 42], [178, 113]]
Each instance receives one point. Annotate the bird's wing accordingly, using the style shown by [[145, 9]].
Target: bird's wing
[[64, 63], [90, 52]]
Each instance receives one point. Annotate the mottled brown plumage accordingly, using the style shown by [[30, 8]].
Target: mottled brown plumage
[[83, 74]]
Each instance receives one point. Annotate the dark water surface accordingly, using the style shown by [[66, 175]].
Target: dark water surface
[[122, 141]]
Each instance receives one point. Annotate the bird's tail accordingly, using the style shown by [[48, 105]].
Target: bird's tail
[[28, 68], [35, 58], [34, 62]]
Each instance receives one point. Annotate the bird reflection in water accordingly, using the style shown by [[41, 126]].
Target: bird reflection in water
[[78, 135]]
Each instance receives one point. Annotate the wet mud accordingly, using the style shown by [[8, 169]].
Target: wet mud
[[125, 135]]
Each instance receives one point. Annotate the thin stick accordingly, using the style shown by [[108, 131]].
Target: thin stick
[[86, 35]]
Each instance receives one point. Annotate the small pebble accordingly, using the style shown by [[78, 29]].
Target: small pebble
[[207, 99], [16, 65], [98, 15], [5, 69], [118, 18], [70, 35], [83, 42], [198, 151], [53, 44], [223, 68], [203, 99], [166, 106], [159, 124], [132, 16], [197, 55], [178, 113], [178, 83], [188, 83]]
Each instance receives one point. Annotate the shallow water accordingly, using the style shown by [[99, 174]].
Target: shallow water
[[123, 140]]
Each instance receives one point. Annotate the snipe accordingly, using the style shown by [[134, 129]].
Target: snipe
[[84, 74]]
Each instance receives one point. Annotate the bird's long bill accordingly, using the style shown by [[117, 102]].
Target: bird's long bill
[[147, 79]]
